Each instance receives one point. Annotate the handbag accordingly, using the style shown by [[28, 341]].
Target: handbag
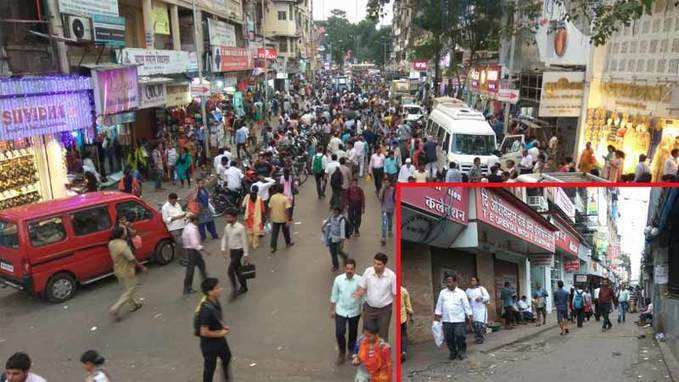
[[248, 271]]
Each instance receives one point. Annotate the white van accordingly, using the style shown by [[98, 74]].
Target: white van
[[462, 134]]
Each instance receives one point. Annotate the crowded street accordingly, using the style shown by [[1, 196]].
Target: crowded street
[[281, 330]]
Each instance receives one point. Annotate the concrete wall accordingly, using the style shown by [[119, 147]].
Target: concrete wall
[[417, 279]]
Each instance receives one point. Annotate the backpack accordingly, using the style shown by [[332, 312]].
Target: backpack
[[317, 165], [578, 301], [337, 179]]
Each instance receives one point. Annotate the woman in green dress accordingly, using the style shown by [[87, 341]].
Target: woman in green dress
[[183, 167]]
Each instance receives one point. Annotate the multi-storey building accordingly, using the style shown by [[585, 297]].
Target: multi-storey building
[[288, 23]]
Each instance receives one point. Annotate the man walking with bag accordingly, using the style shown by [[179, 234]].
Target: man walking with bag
[[235, 244], [318, 165], [478, 299], [209, 326], [345, 309], [606, 300], [193, 249], [452, 308]]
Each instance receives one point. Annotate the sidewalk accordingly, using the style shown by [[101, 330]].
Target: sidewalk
[[424, 355]]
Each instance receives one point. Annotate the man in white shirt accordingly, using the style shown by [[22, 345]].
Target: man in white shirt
[[376, 169], [478, 299], [263, 185], [334, 144], [525, 309], [217, 162], [526, 164], [671, 166], [233, 176], [359, 155], [193, 248], [597, 310], [406, 172], [378, 284], [331, 165], [173, 217], [452, 308], [235, 245], [17, 369]]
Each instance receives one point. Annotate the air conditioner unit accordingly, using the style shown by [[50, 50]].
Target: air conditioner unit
[[538, 203], [77, 28]]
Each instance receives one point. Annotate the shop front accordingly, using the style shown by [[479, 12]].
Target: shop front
[[40, 117], [567, 252], [484, 84], [634, 118]]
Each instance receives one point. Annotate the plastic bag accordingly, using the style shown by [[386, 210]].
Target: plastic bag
[[267, 228], [437, 331]]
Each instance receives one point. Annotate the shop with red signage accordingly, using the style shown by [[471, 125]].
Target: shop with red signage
[[484, 85], [567, 247], [487, 233]]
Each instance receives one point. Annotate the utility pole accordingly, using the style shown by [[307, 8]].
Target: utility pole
[[266, 65], [510, 69], [56, 29], [198, 39]]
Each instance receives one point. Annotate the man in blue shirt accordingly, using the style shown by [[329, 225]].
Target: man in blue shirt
[[241, 140], [540, 303], [345, 309], [561, 303], [507, 296]]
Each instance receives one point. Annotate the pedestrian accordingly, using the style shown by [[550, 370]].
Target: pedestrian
[[430, 151], [172, 156], [210, 327], [606, 301], [129, 184], [453, 309], [183, 167], [387, 199], [391, 166], [453, 174], [378, 285], [280, 215], [93, 363], [597, 308], [579, 305], [406, 316], [336, 182], [18, 369], [588, 305], [478, 300], [359, 155], [334, 234], [623, 303], [540, 303], [193, 248], [241, 141], [376, 169], [420, 174], [561, 303], [318, 165], [174, 218], [263, 185], [476, 172], [642, 172], [158, 167], [253, 216], [345, 309], [372, 355], [205, 215], [289, 188], [507, 294], [406, 171], [587, 159], [671, 166], [616, 166], [235, 246], [356, 207], [124, 265]]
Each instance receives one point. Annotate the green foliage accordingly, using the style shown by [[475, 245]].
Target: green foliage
[[366, 42]]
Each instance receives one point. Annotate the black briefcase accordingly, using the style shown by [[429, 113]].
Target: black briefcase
[[247, 271]]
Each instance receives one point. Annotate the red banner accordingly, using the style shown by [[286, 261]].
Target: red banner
[[565, 240], [451, 202], [229, 59], [572, 266], [268, 53], [497, 211], [420, 65]]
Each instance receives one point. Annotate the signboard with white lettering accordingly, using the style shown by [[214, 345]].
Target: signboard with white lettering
[[89, 7], [109, 30], [151, 95], [156, 61]]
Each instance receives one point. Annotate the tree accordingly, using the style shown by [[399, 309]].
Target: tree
[[338, 39], [366, 42]]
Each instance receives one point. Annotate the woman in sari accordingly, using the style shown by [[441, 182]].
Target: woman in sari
[[373, 357], [254, 216], [183, 166]]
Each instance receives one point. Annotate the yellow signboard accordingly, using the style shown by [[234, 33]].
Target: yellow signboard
[[161, 19]]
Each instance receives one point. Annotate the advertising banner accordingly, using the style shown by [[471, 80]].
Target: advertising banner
[[229, 59], [420, 65], [151, 95], [156, 61], [160, 18], [571, 266], [495, 210], [22, 117], [546, 260], [565, 240], [557, 196], [109, 30], [559, 41], [486, 79], [268, 53], [449, 202], [89, 7], [562, 94], [115, 90], [221, 33], [177, 95]]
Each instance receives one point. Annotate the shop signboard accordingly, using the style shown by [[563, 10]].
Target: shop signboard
[[571, 266], [497, 211], [642, 99], [542, 260], [559, 41], [221, 33], [109, 30], [29, 115], [420, 65], [267, 53], [155, 61], [151, 95], [449, 202], [508, 95], [199, 89], [557, 196], [580, 279], [160, 18], [486, 79], [177, 95], [565, 240], [230, 59], [115, 90], [562, 94], [89, 7], [117, 119]]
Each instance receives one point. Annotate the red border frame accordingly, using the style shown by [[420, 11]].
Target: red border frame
[[397, 229]]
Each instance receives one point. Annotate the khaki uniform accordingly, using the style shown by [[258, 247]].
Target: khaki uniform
[[124, 269]]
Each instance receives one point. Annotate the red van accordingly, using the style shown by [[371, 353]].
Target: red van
[[50, 248]]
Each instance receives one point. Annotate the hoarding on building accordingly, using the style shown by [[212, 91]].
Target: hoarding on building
[[115, 90], [89, 7], [229, 59], [448, 202], [221, 33], [155, 61], [562, 94]]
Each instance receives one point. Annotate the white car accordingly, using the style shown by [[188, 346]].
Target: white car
[[412, 112]]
